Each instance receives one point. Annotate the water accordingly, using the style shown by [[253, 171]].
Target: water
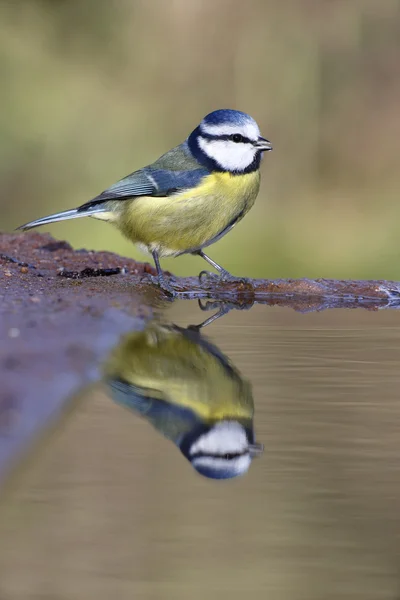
[[108, 507]]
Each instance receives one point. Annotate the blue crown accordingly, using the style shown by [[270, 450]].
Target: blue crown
[[226, 116]]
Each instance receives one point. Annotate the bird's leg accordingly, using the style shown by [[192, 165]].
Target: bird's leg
[[222, 275], [160, 280], [223, 309]]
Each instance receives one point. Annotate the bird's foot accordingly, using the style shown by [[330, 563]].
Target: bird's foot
[[224, 305], [223, 275], [164, 285]]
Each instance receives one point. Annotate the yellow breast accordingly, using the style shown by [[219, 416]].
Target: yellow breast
[[191, 219], [165, 363]]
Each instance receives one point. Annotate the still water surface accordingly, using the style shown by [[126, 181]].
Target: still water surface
[[108, 507]]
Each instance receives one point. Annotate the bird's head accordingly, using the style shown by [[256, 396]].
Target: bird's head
[[228, 140], [222, 450]]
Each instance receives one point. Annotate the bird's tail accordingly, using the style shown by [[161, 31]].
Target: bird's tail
[[74, 213]]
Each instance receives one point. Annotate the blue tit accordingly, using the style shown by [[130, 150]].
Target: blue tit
[[190, 392], [190, 197]]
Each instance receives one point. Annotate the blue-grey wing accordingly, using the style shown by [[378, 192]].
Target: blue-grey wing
[[130, 396], [173, 172], [149, 403], [135, 184], [170, 182], [171, 420]]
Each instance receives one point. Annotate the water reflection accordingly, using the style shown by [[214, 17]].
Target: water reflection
[[190, 392], [107, 507]]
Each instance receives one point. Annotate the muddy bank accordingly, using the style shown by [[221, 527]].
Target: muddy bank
[[55, 330], [61, 311], [36, 268]]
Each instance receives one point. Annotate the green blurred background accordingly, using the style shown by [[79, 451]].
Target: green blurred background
[[94, 89]]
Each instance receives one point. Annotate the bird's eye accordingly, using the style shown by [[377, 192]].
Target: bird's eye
[[236, 137]]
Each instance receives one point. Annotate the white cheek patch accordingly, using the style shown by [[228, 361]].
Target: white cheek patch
[[226, 437], [235, 466], [230, 156], [249, 130]]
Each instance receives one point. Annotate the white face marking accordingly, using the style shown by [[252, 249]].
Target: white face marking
[[229, 155], [235, 466], [249, 130], [226, 437]]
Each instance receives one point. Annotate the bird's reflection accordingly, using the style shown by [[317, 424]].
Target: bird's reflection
[[190, 392]]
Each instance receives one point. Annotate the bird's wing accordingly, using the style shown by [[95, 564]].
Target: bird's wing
[[129, 395], [174, 171]]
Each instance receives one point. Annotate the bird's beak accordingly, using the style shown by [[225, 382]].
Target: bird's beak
[[256, 450], [263, 144]]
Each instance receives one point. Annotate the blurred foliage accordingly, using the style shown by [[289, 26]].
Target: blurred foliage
[[92, 90]]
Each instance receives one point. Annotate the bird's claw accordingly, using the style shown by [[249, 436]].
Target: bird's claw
[[224, 305], [221, 276], [209, 305], [164, 285], [204, 275]]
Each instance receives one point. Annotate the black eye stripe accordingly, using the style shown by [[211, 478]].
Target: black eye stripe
[[225, 455], [209, 136]]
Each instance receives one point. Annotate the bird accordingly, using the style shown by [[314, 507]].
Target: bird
[[190, 197], [190, 392]]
